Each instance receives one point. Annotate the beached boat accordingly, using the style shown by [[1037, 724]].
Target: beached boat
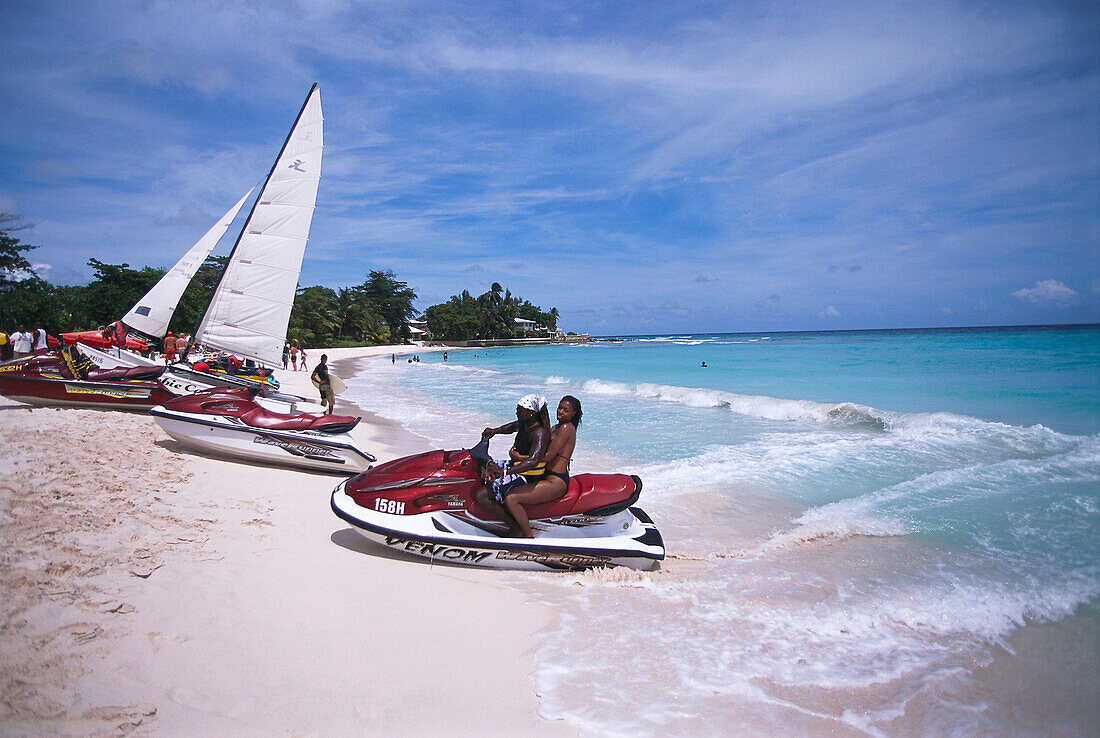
[[424, 505], [238, 423], [48, 382], [249, 312], [98, 340], [67, 377]]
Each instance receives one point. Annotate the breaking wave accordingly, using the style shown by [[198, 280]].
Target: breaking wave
[[755, 406]]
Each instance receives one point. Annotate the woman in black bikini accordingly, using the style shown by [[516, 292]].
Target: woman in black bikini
[[563, 439]]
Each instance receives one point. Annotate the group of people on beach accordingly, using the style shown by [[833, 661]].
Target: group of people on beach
[[175, 346], [537, 468], [18, 343], [293, 354]]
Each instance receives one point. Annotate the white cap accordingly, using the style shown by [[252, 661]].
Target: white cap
[[534, 403]]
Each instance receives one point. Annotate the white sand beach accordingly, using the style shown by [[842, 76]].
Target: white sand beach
[[151, 590]]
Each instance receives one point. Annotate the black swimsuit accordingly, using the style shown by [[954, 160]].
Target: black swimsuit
[[564, 476]]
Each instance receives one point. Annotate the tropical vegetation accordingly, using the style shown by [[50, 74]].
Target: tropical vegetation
[[488, 316]]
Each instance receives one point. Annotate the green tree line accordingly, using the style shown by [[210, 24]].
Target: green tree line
[[491, 315]]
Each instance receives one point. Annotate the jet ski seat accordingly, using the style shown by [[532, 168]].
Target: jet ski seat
[[263, 418], [599, 494], [125, 373]]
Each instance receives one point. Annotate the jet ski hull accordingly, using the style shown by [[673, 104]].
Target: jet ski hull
[[55, 391], [627, 538], [230, 437]]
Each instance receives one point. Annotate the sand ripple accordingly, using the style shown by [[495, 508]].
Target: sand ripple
[[86, 514]]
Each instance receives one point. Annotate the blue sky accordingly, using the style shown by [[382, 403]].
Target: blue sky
[[642, 166]]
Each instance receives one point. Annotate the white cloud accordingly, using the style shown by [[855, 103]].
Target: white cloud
[[1046, 292], [830, 312]]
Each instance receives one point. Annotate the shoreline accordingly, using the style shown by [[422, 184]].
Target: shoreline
[[156, 589]]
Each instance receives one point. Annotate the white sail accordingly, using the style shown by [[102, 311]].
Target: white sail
[[153, 312], [250, 309]]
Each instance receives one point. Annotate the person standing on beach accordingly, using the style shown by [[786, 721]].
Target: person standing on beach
[[526, 459], [320, 380], [40, 340], [181, 346], [169, 348], [20, 342], [302, 358], [294, 356], [286, 354]]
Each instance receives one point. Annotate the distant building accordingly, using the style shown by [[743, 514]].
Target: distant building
[[418, 330]]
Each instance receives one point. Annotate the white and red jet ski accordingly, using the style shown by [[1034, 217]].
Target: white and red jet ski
[[425, 505], [66, 377], [233, 422]]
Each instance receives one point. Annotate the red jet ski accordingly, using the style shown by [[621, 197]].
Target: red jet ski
[[234, 422], [424, 505], [67, 377]]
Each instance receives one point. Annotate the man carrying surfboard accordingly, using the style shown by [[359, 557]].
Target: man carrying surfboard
[[321, 381]]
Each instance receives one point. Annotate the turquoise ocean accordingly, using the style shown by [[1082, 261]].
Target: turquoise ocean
[[868, 533]]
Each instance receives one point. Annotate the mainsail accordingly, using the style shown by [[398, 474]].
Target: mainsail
[[250, 310], [153, 312]]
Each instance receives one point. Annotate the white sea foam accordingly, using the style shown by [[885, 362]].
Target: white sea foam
[[555, 380], [813, 529], [678, 340], [750, 637], [755, 406]]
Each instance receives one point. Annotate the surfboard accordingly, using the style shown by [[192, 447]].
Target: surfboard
[[336, 383]]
